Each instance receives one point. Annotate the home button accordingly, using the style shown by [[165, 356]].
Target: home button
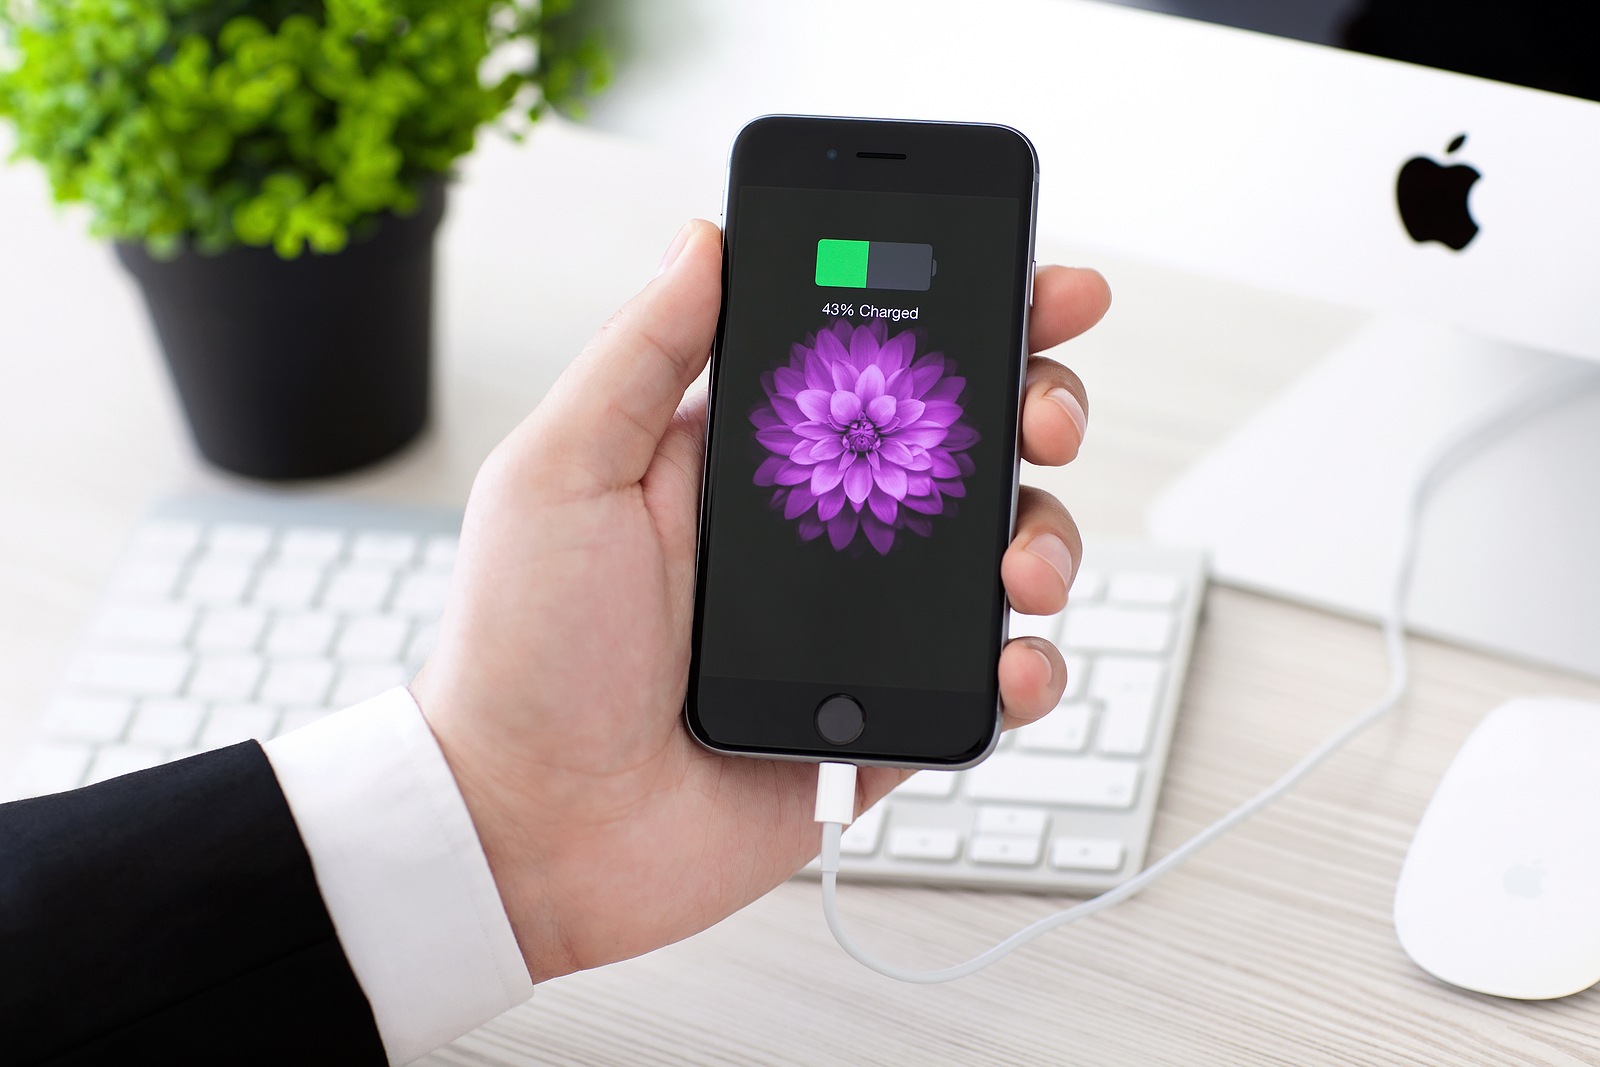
[[839, 720]]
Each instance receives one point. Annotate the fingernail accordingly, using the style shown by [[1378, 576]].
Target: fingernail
[[675, 248], [1069, 403], [1049, 668], [1054, 551]]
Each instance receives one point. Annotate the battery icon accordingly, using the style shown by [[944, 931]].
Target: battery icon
[[874, 265]]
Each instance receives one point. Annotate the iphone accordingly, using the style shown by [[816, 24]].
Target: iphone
[[862, 445]]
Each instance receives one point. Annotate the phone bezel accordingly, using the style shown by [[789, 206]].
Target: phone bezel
[[908, 728]]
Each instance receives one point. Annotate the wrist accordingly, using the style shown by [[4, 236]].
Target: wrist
[[506, 845]]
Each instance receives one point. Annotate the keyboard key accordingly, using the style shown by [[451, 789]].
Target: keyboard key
[[145, 624], [934, 785], [1128, 690], [135, 674], [423, 593], [385, 548], [223, 676], [1125, 727], [1086, 853], [1045, 626], [115, 760], [1078, 781], [1126, 676], [1144, 587], [373, 637], [306, 634], [231, 723], [169, 539], [51, 767], [440, 553], [312, 546], [924, 843], [297, 681], [1002, 850], [241, 542], [358, 589], [861, 837], [1108, 629], [217, 582], [171, 724], [98, 719], [1014, 822], [230, 629], [141, 580], [361, 681], [1066, 729], [287, 586]]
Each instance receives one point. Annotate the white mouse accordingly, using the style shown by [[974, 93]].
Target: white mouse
[[1500, 892]]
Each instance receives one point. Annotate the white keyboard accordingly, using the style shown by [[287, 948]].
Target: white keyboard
[[236, 617], [233, 617], [1064, 805]]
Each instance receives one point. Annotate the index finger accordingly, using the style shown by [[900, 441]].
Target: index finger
[[1066, 302]]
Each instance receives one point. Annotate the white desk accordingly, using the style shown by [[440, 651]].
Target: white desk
[[1272, 947]]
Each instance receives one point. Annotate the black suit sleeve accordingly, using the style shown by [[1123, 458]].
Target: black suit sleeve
[[171, 917]]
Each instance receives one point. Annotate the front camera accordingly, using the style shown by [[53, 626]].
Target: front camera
[[833, 153]]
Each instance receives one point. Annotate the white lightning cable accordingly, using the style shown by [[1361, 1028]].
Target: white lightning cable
[[836, 782]]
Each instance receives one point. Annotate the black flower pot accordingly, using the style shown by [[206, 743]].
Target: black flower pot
[[300, 368]]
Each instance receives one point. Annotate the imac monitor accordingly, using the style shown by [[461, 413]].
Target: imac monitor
[[1308, 499], [1436, 166]]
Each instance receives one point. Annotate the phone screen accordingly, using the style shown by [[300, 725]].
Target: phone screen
[[864, 439]]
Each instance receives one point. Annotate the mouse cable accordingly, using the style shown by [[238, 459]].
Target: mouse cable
[[836, 782]]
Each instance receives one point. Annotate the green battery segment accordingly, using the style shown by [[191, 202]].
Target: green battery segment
[[874, 265]]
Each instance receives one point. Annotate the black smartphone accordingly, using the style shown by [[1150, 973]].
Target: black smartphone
[[862, 450]]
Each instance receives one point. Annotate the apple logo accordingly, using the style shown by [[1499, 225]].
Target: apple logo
[[1524, 879], [1432, 199]]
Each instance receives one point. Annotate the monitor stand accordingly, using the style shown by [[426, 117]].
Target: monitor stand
[[1306, 501]]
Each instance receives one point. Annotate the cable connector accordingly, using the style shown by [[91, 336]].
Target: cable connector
[[836, 793], [836, 809]]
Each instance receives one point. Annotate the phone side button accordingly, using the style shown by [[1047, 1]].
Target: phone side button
[[840, 720]]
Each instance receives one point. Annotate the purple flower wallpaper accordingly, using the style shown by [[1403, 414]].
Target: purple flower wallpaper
[[866, 439]]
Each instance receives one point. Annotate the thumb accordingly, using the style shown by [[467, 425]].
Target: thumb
[[609, 410]]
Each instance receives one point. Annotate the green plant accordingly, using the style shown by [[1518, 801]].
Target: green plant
[[275, 122]]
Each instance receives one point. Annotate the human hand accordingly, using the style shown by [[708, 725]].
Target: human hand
[[556, 690]]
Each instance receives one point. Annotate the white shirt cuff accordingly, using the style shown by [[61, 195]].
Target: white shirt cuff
[[401, 872]]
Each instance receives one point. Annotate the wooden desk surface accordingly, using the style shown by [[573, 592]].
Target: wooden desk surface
[[1272, 947]]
